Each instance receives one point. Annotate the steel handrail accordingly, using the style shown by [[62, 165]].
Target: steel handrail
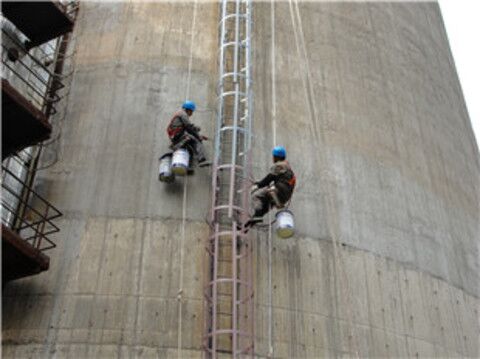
[[30, 189], [41, 225], [43, 80]]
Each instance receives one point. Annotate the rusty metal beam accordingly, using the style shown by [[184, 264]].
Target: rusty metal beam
[[20, 258], [40, 21], [23, 124]]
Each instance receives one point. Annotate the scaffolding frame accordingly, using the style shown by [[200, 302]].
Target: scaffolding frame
[[229, 290]]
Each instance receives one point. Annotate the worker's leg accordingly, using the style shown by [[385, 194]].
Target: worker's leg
[[275, 196], [260, 207], [199, 149], [179, 142], [195, 144], [261, 202]]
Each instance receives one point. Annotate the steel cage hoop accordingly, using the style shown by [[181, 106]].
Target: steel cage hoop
[[231, 163]]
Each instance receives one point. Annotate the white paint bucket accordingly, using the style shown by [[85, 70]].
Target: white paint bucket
[[180, 162], [285, 225], [165, 173]]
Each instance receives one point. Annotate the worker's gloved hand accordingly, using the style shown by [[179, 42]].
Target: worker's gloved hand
[[253, 189], [204, 138]]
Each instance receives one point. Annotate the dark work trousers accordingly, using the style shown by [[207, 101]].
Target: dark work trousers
[[186, 139], [264, 199]]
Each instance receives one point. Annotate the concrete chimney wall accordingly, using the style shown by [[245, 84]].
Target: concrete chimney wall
[[375, 125]]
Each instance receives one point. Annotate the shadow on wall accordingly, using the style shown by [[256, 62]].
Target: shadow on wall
[[9, 304]]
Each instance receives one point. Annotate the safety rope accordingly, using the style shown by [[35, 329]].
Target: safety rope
[[274, 140], [184, 202], [190, 60], [180, 290], [331, 217], [274, 88]]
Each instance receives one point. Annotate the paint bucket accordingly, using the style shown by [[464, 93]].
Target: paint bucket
[[165, 173], [285, 226], [180, 162]]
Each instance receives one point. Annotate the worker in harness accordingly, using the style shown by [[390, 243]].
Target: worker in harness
[[185, 134], [275, 189]]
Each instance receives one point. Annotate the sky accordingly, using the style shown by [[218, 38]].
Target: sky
[[461, 18]]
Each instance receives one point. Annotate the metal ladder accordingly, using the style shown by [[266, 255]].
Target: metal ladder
[[229, 291]]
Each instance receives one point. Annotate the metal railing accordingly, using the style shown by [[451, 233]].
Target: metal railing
[[229, 290], [37, 73], [24, 210], [64, 66], [29, 75], [70, 8]]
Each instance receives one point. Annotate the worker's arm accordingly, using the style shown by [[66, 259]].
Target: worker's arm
[[275, 171], [190, 127], [266, 180], [195, 131]]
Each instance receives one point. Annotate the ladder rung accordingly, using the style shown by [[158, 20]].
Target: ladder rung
[[224, 295]]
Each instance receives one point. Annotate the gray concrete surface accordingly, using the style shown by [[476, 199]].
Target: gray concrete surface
[[397, 139], [113, 283], [392, 172], [387, 164]]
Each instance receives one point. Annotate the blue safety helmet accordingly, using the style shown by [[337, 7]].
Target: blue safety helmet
[[189, 105], [279, 151]]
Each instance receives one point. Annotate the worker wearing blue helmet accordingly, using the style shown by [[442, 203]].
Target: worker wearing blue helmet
[[183, 132], [275, 189]]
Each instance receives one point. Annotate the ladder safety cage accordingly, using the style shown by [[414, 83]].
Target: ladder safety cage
[[229, 325]]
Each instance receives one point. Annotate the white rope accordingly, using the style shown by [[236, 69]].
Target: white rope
[[274, 140], [190, 60], [180, 290], [331, 217], [274, 89], [270, 306], [184, 202]]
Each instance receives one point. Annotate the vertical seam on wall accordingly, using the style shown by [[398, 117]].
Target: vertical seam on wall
[[184, 202], [274, 140], [308, 88]]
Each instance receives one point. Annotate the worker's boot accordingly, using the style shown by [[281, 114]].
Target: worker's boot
[[202, 162], [250, 223], [191, 166], [239, 243]]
